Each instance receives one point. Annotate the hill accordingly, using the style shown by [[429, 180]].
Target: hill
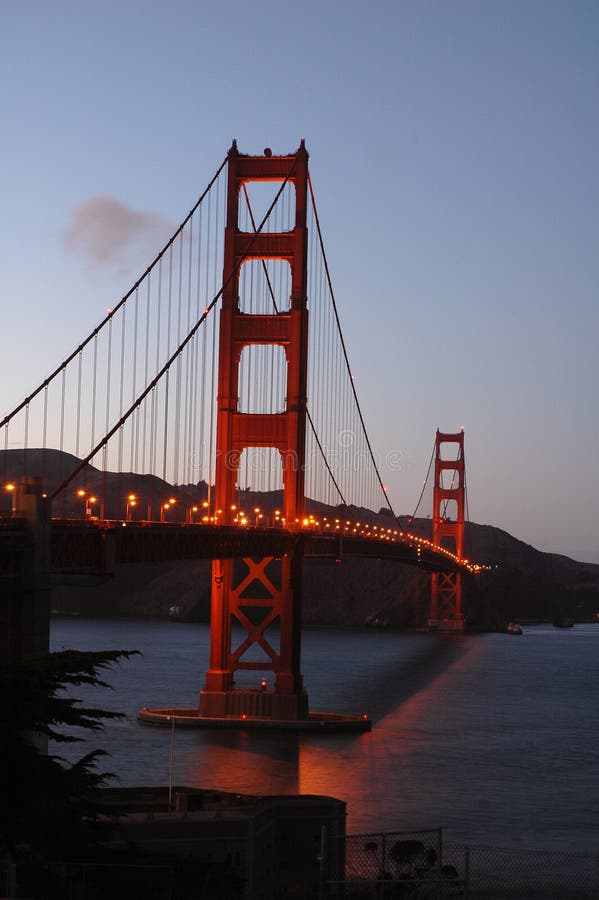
[[522, 583]]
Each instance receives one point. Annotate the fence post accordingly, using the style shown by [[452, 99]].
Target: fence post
[[439, 862], [11, 880], [82, 889], [323, 861]]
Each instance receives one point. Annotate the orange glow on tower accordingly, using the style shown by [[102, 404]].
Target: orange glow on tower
[[279, 601], [448, 533]]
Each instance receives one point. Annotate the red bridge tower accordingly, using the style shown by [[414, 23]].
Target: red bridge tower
[[265, 597], [448, 532]]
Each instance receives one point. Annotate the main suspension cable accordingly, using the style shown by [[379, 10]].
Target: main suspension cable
[[113, 311], [276, 309], [343, 347], [165, 368]]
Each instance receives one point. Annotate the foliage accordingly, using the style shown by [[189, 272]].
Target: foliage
[[48, 809]]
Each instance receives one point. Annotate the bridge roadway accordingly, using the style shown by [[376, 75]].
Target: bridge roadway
[[77, 546]]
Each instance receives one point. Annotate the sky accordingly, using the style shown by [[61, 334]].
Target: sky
[[453, 152]]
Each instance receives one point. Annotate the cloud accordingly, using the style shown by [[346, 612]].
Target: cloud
[[106, 232]]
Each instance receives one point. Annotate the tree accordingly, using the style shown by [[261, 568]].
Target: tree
[[48, 811]]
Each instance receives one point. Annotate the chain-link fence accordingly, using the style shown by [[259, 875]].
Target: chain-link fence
[[120, 881], [512, 873], [421, 866], [396, 865], [390, 866]]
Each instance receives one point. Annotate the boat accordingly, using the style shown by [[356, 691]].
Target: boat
[[563, 621], [376, 622], [513, 628]]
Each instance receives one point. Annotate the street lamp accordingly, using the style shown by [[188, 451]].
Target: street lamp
[[10, 488], [87, 502], [131, 503]]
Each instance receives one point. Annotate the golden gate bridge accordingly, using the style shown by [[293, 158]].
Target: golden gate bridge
[[224, 372]]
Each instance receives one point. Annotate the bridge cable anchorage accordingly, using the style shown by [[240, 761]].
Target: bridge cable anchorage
[[357, 402], [165, 368], [115, 309], [276, 309]]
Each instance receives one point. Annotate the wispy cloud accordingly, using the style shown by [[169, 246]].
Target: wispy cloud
[[106, 232]]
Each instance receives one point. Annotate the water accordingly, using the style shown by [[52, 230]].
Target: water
[[491, 737]]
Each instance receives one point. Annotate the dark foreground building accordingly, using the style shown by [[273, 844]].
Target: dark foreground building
[[272, 845]]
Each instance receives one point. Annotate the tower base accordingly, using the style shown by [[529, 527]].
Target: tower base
[[447, 624], [320, 722], [263, 704]]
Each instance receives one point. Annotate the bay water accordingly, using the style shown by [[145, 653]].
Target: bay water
[[493, 737]]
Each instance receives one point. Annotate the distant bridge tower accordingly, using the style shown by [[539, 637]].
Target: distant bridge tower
[[265, 597], [446, 611]]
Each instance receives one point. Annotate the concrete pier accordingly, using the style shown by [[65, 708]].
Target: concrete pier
[[321, 722]]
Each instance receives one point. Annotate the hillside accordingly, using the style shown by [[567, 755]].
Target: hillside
[[523, 582]]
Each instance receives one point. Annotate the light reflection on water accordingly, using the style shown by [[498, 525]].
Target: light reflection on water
[[492, 737]]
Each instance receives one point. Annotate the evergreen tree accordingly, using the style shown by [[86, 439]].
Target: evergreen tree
[[47, 807]]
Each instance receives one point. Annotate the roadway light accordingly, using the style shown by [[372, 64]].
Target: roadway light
[[11, 488], [83, 496], [131, 503]]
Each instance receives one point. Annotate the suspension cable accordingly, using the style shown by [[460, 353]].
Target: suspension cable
[[276, 309], [343, 347], [165, 368], [121, 302], [424, 483]]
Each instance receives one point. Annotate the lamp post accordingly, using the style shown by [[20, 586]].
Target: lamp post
[[171, 764], [83, 495], [10, 488], [131, 503]]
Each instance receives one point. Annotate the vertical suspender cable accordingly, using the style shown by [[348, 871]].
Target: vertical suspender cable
[[44, 432], [358, 408], [26, 440], [94, 389], [213, 370], [5, 462], [108, 373], [208, 423], [122, 388], [78, 426], [135, 430], [165, 436]]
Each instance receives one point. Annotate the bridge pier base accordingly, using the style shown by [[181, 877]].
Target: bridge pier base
[[260, 704]]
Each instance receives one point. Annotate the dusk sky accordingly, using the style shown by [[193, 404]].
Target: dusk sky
[[453, 152]]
